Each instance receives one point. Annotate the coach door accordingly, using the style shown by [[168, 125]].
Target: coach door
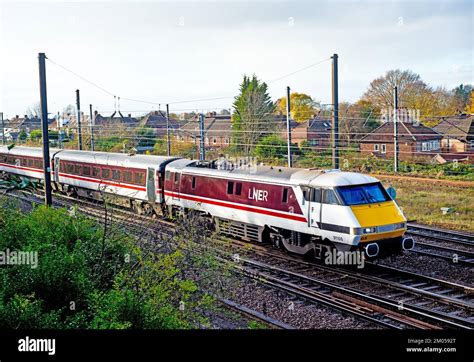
[[56, 169], [315, 209], [150, 185], [176, 183]]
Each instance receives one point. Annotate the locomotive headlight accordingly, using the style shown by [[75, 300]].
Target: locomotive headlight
[[361, 231]]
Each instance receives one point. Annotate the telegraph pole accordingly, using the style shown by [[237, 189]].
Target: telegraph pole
[[168, 129], [288, 126], [79, 130], [3, 128], [395, 129], [91, 124], [335, 118], [202, 150], [44, 126]]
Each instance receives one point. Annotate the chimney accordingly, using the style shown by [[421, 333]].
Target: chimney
[[26, 116], [96, 113], [129, 115], [156, 113]]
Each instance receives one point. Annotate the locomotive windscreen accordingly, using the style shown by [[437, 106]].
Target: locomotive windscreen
[[363, 194]]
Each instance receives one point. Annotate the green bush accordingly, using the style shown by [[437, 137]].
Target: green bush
[[85, 279]]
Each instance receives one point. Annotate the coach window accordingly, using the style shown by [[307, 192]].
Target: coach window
[[139, 178], [329, 197], [105, 173], [116, 175], [38, 164], [230, 187], [23, 162], [95, 172], [238, 189], [86, 170], [193, 184], [77, 169], [69, 167], [127, 176], [284, 196], [30, 163]]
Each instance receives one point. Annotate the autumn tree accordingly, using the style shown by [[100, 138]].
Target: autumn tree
[[252, 114], [303, 107]]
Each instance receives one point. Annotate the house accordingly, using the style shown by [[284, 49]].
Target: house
[[109, 126], [315, 131], [458, 133], [414, 140], [156, 121], [217, 131]]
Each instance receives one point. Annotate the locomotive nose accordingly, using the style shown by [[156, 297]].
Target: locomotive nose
[[408, 243], [372, 250]]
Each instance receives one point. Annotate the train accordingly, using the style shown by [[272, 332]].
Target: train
[[305, 211]]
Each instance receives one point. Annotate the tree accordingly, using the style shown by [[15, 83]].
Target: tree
[[22, 136], [380, 91], [34, 111], [36, 135], [271, 146], [253, 110], [303, 106]]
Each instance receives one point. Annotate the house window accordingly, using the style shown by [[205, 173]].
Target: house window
[[471, 144], [384, 148], [230, 187], [284, 196], [193, 185], [214, 140], [238, 189], [376, 148], [206, 140], [424, 146], [226, 141], [418, 147]]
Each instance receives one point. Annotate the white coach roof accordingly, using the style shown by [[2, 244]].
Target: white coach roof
[[283, 175]]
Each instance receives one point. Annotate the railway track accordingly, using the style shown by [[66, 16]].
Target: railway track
[[456, 247], [386, 296], [429, 300]]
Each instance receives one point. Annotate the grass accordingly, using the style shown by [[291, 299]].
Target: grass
[[422, 202]]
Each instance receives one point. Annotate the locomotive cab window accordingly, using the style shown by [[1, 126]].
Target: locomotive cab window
[[230, 187], [284, 196], [329, 197], [316, 195]]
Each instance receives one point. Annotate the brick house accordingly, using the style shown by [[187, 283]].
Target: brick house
[[156, 121], [217, 131], [414, 140], [315, 131], [458, 133]]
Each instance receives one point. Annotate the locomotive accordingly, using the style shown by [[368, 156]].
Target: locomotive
[[305, 211]]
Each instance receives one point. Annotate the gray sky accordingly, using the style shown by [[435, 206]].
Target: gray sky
[[167, 52]]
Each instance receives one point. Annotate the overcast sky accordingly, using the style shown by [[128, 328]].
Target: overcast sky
[[168, 52]]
